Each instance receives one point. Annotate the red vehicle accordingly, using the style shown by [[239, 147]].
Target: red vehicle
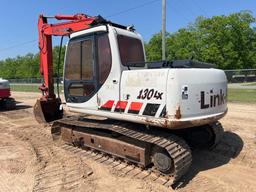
[[6, 102]]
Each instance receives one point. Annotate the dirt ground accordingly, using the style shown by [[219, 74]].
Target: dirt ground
[[30, 161]]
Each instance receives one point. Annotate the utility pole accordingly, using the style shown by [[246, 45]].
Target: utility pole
[[163, 29]]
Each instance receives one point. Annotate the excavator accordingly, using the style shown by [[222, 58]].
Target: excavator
[[6, 101], [150, 114]]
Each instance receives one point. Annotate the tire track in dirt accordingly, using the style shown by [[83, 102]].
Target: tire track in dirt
[[231, 166], [17, 161], [60, 170], [56, 169]]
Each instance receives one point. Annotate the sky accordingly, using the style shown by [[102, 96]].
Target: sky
[[18, 19]]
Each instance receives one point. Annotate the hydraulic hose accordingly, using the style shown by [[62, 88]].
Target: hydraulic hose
[[58, 68]]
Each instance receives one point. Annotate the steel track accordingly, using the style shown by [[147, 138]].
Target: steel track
[[218, 132], [175, 146]]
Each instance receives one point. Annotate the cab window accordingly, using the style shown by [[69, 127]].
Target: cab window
[[131, 50], [88, 64]]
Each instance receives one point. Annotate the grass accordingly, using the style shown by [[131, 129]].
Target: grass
[[242, 95], [25, 88], [249, 84], [28, 88], [234, 95]]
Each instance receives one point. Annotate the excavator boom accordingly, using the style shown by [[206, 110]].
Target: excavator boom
[[48, 107]]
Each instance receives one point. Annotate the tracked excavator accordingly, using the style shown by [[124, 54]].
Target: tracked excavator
[[6, 101], [147, 113]]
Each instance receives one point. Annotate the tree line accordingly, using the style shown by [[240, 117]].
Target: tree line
[[227, 41], [28, 66]]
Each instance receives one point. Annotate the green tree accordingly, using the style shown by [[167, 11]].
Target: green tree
[[28, 66], [154, 47], [56, 59], [228, 41]]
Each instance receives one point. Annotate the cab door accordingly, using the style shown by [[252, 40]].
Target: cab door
[[80, 82], [88, 64]]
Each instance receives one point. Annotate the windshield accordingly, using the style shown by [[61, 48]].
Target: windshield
[[131, 50]]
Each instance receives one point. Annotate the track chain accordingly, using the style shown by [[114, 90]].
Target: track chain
[[177, 148], [218, 133], [122, 168]]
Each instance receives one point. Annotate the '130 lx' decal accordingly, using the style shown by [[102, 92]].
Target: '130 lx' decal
[[149, 94]]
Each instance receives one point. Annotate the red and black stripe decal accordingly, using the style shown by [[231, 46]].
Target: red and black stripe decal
[[151, 109], [135, 107], [108, 105], [120, 106]]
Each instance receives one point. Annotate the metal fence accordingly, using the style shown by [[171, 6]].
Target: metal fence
[[31, 80], [241, 75], [233, 76]]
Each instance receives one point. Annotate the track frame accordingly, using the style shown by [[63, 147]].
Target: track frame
[[79, 132]]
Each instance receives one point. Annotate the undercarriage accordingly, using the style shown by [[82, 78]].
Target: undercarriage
[[166, 152], [7, 103]]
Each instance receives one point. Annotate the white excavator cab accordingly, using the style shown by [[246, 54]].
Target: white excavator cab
[[106, 75]]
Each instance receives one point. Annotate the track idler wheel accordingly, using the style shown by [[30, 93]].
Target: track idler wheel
[[162, 161]]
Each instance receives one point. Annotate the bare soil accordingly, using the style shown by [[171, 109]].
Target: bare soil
[[30, 161]]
